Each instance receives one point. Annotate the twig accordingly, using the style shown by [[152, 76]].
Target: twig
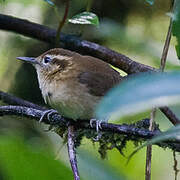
[[170, 115], [174, 119], [149, 148], [166, 47], [162, 67], [148, 162], [72, 152], [89, 5], [176, 170], [62, 22]]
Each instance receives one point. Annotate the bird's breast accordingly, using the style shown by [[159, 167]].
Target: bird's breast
[[70, 98]]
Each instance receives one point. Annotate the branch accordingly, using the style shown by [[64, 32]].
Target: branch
[[61, 121], [129, 130], [72, 152], [10, 99], [33, 114], [48, 35]]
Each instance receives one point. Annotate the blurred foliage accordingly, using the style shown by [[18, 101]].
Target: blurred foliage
[[149, 90], [176, 26], [170, 134], [96, 169], [21, 160], [133, 28]]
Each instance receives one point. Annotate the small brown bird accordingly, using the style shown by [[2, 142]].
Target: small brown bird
[[71, 83]]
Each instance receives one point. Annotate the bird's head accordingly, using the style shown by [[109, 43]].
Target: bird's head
[[50, 62]]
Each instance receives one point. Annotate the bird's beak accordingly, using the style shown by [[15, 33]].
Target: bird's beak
[[31, 60]]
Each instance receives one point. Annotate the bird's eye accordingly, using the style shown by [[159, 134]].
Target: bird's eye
[[46, 59]]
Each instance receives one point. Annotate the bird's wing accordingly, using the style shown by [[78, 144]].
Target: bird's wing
[[99, 83]]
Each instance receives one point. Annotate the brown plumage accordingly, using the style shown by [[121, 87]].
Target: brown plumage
[[73, 84]]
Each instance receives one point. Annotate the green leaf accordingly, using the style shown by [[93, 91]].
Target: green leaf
[[49, 2], [176, 27], [172, 133], [151, 2], [20, 160], [92, 168], [139, 93], [85, 18]]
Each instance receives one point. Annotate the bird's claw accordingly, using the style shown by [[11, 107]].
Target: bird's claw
[[48, 113], [98, 127]]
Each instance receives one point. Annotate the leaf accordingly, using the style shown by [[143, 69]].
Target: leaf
[[173, 133], [139, 93], [176, 27], [85, 18], [49, 2], [151, 2], [89, 166], [20, 160]]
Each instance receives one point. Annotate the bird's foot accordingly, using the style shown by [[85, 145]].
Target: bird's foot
[[98, 127], [48, 113], [98, 124]]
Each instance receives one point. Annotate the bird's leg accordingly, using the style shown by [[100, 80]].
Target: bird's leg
[[98, 127], [48, 113]]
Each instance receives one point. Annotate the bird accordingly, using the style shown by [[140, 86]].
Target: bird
[[73, 84]]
